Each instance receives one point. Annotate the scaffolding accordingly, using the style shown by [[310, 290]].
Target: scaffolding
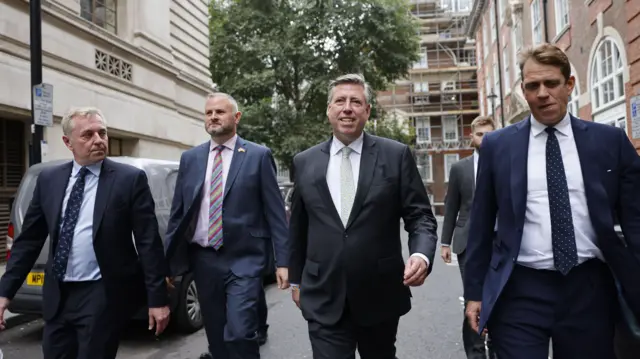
[[440, 94]]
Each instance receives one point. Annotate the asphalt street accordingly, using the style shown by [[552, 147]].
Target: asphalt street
[[431, 330]]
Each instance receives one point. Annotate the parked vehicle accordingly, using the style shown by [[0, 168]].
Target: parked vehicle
[[185, 307], [286, 188]]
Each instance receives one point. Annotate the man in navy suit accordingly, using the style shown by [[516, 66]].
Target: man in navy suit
[[227, 210], [95, 275], [555, 183]]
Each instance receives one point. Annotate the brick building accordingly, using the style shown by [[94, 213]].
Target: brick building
[[439, 97], [604, 53]]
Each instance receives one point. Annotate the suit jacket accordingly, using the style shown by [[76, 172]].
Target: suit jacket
[[458, 205], [361, 262], [123, 206], [253, 214], [611, 173]]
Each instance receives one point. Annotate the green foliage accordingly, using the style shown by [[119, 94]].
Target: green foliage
[[276, 57]]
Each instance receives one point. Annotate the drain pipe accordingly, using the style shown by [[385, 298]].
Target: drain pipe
[[544, 17], [498, 51]]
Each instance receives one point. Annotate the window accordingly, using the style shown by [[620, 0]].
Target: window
[[100, 12], [449, 128], [492, 21], [573, 105], [449, 160], [423, 129], [606, 75], [456, 5], [423, 62], [507, 69], [562, 15], [424, 162], [448, 86], [502, 9], [516, 41], [485, 39], [421, 86], [115, 147], [536, 22]]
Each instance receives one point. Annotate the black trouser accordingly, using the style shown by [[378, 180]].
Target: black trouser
[[340, 341], [87, 326]]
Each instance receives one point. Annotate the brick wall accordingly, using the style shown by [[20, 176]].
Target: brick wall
[[632, 39]]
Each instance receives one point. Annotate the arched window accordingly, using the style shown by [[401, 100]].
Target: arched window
[[573, 107], [607, 84]]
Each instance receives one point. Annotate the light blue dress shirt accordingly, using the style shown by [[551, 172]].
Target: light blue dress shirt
[[82, 264]]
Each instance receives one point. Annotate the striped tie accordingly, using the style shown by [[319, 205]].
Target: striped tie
[[215, 201]]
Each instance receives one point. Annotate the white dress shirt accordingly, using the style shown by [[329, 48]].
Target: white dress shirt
[[333, 172], [476, 158], [201, 234], [536, 250]]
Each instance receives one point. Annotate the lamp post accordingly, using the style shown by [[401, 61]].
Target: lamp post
[[35, 20]]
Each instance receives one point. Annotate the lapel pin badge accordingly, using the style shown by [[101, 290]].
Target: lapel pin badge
[[240, 149]]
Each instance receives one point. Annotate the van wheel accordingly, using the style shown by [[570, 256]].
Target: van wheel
[[188, 315]]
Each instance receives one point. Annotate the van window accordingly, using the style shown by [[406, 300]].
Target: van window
[[25, 193], [172, 178]]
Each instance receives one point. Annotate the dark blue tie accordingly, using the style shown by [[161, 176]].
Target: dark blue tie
[[71, 213], [565, 253]]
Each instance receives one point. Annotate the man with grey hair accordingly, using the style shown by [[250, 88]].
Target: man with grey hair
[[95, 273], [227, 218], [350, 193]]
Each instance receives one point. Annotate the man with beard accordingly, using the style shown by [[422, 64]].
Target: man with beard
[[350, 194], [227, 210], [462, 183], [89, 208]]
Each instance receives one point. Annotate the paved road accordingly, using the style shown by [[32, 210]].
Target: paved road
[[430, 330]]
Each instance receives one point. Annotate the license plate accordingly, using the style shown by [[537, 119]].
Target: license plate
[[36, 278]]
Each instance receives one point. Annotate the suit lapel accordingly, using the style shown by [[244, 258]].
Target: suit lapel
[[239, 153], [368, 160], [61, 181], [321, 181], [200, 168], [583, 138], [519, 155], [105, 183]]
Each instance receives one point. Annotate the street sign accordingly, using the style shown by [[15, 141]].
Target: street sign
[[43, 104], [635, 116]]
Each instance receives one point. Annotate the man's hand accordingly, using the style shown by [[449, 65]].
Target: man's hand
[[4, 304], [415, 272], [170, 285], [159, 317], [445, 253], [282, 275], [295, 295], [473, 315]]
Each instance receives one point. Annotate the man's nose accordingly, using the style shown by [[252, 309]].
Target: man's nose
[[542, 91]]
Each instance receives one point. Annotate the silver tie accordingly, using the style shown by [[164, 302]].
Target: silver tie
[[347, 188]]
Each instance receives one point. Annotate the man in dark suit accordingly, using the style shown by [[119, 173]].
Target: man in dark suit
[[462, 183], [555, 184], [350, 194], [94, 278], [227, 210]]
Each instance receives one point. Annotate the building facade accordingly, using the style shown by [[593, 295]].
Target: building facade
[[147, 70], [604, 53], [439, 97]]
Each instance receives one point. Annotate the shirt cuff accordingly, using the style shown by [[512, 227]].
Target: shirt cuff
[[444, 245], [423, 257]]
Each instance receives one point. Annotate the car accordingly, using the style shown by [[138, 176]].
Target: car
[[286, 188], [162, 175]]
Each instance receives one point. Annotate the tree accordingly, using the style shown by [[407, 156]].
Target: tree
[[276, 57]]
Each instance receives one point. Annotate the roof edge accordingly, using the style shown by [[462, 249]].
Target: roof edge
[[474, 17]]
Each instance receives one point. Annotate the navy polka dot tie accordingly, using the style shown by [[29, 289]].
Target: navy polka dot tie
[[565, 253], [71, 213]]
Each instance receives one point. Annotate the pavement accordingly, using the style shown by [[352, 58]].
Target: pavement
[[432, 329]]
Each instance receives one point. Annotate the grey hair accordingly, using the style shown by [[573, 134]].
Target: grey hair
[[67, 120], [233, 101], [354, 79]]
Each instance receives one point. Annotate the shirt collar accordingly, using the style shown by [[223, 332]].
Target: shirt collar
[[476, 156], [93, 168], [563, 127], [230, 144], [356, 145]]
